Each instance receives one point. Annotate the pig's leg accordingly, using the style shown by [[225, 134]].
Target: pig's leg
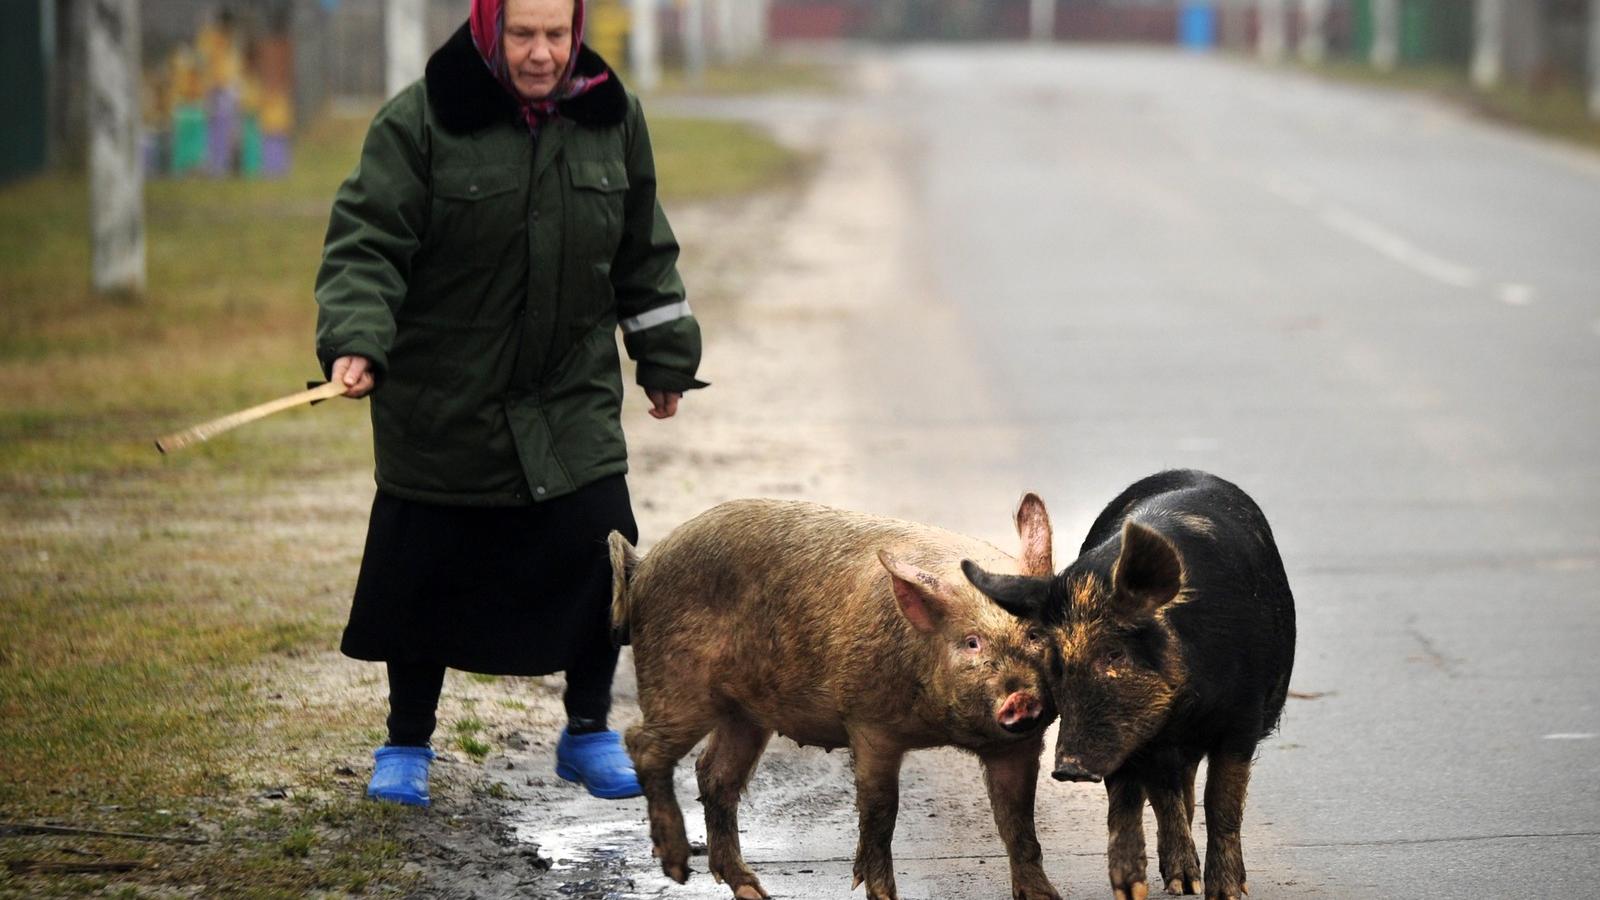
[[1125, 853], [1227, 779], [1169, 790], [723, 770], [1012, 777], [1190, 768], [877, 764], [656, 749]]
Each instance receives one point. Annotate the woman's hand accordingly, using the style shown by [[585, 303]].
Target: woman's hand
[[664, 404], [354, 373]]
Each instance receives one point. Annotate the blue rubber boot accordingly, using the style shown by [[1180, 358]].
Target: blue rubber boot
[[598, 762], [400, 775]]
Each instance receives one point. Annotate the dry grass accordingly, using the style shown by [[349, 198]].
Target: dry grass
[[166, 623]]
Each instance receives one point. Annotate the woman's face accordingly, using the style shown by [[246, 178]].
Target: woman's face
[[538, 43]]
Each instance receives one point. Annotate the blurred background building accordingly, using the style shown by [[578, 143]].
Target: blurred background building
[[268, 67]]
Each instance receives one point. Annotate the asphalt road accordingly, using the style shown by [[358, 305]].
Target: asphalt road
[[1380, 318]]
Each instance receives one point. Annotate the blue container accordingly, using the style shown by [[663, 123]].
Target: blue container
[[1197, 25]]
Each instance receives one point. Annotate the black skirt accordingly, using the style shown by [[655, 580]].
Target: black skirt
[[520, 590]]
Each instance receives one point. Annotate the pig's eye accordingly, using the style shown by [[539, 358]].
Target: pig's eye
[[972, 643], [1035, 636], [1115, 656]]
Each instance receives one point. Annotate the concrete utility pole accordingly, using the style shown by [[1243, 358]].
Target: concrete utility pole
[[1314, 31], [116, 178], [723, 48], [405, 48], [1488, 43], [1594, 58], [1272, 25], [644, 45], [1042, 20], [1385, 34], [694, 38]]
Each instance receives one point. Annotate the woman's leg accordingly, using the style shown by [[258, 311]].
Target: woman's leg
[[588, 694], [413, 701]]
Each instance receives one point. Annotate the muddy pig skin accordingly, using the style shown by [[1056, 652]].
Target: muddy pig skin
[[834, 629], [1172, 640]]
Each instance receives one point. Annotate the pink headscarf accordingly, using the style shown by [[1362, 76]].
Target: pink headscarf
[[487, 22]]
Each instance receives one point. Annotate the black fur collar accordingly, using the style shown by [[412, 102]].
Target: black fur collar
[[466, 97]]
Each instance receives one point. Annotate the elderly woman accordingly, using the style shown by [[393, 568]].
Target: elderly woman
[[501, 224]]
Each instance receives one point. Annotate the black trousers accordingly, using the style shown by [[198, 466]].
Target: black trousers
[[414, 694]]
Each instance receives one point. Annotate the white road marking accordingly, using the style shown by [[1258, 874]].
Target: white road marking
[[1571, 736], [1398, 248], [1516, 294]]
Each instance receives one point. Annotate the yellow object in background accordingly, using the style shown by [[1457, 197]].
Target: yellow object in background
[[606, 32], [277, 112], [220, 63]]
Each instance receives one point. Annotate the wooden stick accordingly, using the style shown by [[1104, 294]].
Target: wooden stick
[[206, 430], [25, 828]]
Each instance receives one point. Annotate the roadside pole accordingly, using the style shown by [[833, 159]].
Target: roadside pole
[[723, 49], [1385, 34], [1594, 58], [694, 39], [1313, 31], [644, 45], [116, 178], [1488, 43], [404, 43], [1042, 20], [1272, 25]]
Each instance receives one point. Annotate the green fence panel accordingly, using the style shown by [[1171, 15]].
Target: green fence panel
[[24, 125]]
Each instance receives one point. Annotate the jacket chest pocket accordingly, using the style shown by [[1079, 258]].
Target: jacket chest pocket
[[477, 214], [599, 188]]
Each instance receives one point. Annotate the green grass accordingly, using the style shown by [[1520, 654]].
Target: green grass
[[147, 603], [703, 159], [755, 77], [1559, 110]]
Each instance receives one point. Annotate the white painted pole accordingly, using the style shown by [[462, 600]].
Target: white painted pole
[[404, 43], [694, 38], [1042, 20], [1594, 58], [1314, 31], [1488, 43], [1385, 34], [723, 49], [116, 177], [644, 45], [1272, 27]]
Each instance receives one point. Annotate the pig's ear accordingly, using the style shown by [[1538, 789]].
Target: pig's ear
[[1147, 574], [1021, 595], [921, 595], [1033, 526]]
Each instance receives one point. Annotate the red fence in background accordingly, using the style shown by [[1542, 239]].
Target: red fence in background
[[810, 21]]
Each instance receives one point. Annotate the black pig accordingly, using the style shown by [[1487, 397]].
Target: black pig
[[1173, 638]]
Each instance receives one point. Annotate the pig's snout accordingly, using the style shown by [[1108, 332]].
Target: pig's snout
[[1069, 768], [1020, 712]]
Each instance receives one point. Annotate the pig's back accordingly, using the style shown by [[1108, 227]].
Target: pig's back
[[765, 557]]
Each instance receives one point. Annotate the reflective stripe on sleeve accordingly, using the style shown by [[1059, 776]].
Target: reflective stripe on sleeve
[[650, 318]]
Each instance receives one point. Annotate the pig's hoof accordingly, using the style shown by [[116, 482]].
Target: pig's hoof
[[750, 891], [678, 872], [1183, 884], [1040, 892], [1133, 890]]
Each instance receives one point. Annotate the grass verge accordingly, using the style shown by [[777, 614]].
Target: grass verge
[[1559, 111], [166, 623]]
